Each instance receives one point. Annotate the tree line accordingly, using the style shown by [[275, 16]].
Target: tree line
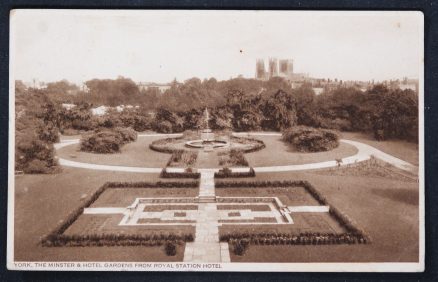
[[236, 104]]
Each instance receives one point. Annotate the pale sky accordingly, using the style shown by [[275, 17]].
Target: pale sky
[[162, 45]]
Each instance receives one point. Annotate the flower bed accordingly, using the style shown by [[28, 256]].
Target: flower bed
[[232, 157], [160, 208], [244, 207], [182, 158], [255, 220]]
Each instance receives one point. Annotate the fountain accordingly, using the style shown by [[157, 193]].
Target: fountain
[[207, 141]]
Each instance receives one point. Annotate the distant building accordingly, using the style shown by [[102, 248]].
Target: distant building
[[276, 68], [286, 67], [161, 87], [273, 67], [260, 69]]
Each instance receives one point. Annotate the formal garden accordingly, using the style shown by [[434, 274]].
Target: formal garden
[[240, 176]]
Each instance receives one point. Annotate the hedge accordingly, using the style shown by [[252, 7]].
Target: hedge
[[186, 174], [259, 184], [117, 239], [228, 173], [241, 240]]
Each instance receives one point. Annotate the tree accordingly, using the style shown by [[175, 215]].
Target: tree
[[279, 111]]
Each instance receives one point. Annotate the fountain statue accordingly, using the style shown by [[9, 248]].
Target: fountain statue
[[208, 142], [206, 134]]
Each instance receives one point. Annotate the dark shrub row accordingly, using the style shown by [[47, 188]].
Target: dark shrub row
[[309, 139], [159, 184], [187, 174], [152, 239], [227, 173], [107, 140], [259, 184], [240, 241]]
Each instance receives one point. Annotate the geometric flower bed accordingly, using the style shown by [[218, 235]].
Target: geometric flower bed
[[58, 238], [241, 240]]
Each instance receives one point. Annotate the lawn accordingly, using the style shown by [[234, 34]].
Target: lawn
[[407, 151], [278, 152], [303, 222], [136, 153]]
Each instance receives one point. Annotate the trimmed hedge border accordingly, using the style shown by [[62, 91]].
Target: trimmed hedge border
[[228, 173], [165, 174], [259, 184], [151, 239], [57, 238], [354, 233], [245, 239]]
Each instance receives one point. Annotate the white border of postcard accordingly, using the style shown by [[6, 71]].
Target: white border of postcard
[[180, 266]]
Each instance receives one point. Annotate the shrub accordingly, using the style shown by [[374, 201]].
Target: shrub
[[308, 139], [107, 141], [37, 166], [127, 134], [34, 156], [48, 133], [170, 248], [101, 142], [240, 247]]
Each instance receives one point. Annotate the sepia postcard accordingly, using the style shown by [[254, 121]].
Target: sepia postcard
[[207, 140]]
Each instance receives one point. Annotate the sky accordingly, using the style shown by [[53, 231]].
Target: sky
[[158, 46]]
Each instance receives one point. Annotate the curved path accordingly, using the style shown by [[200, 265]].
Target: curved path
[[364, 153]]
